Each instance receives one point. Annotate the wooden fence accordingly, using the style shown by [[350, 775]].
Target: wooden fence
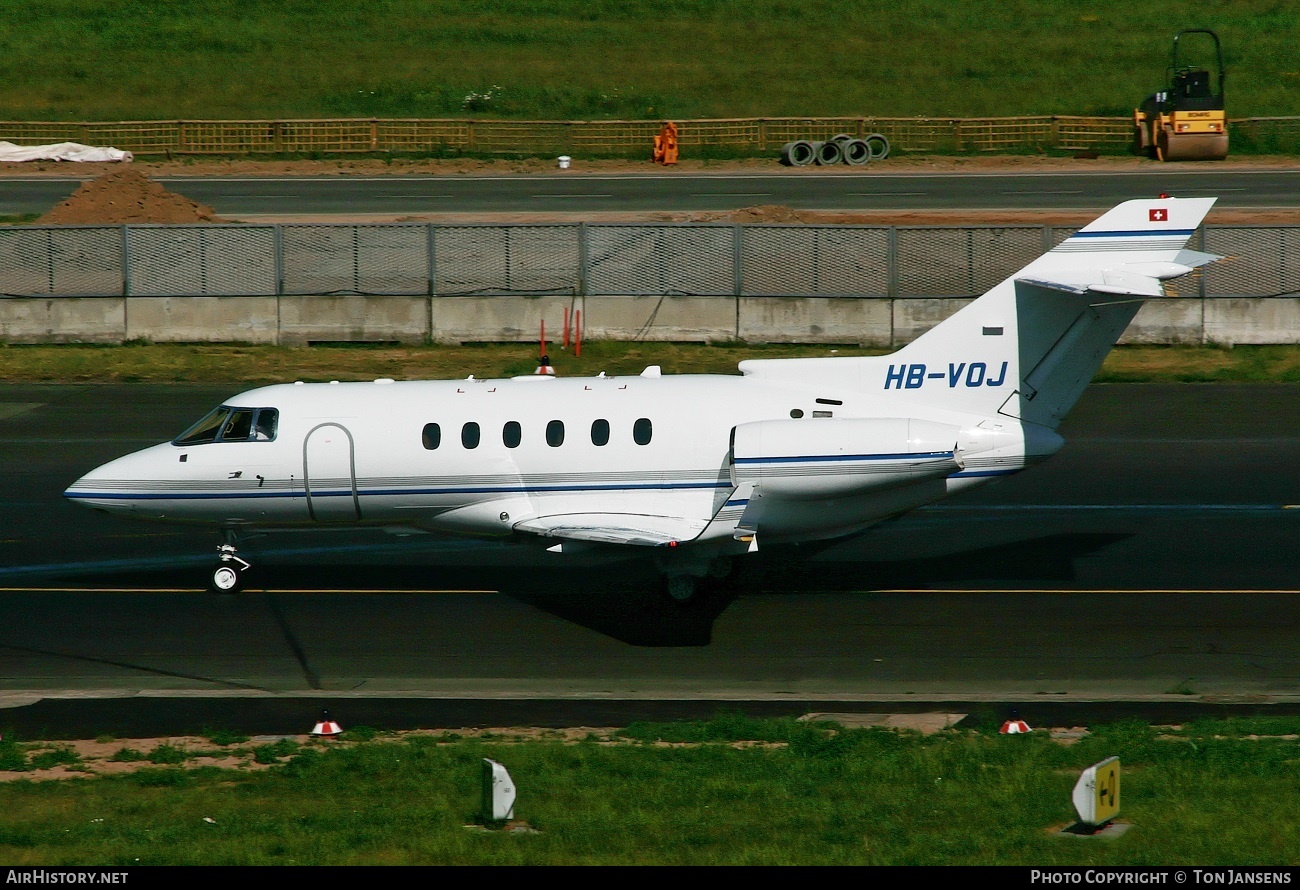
[[612, 138]]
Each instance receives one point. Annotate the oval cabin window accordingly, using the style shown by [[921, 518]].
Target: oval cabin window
[[555, 433], [432, 436], [642, 430], [600, 432], [511, 434], [469, 435]]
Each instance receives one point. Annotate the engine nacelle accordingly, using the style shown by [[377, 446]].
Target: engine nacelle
[[834, 457]]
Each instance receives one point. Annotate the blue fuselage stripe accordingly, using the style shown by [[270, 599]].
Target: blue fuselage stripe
[[389, 492], [1151, 233], [826, 458]]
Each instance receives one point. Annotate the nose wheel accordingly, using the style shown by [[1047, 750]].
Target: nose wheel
[[229, 573]]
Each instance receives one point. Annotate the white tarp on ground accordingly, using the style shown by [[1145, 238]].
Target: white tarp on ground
[[62, 151]]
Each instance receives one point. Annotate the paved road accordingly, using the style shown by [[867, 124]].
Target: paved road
[[1153, 561], [361, 196]]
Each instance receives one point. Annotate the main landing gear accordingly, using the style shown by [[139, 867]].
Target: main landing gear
[[685, 583], [229, 573]]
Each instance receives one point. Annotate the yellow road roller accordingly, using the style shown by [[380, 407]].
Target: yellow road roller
[[1185, 120]]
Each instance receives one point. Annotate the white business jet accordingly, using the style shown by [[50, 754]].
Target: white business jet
[[694, 469]]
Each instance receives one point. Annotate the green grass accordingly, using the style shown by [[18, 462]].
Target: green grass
[[181, 363], [576, 59], [733, 791]]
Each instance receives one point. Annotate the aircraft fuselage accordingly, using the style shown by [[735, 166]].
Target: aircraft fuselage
[[691, 458]]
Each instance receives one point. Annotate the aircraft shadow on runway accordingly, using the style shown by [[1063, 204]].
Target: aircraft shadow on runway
[[625, 601], [628, 606]]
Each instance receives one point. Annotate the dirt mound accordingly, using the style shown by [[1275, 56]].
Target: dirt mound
[[126, 196], [777, 213], [760, 213]]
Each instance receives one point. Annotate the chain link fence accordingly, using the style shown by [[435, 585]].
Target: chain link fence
[[617, 138], [578, 259]]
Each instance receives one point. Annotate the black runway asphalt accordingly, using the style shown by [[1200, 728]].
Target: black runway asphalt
[[351, 196], [1150, 568]]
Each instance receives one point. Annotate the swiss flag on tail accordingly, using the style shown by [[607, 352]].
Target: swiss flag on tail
[[1158, 214]]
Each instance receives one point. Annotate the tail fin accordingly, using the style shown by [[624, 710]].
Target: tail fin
[[1028, 347]]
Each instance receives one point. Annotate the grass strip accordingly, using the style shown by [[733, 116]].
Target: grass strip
[[226, 59], [731, 791]]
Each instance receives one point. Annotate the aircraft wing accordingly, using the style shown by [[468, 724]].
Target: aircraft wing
[[613, 528]]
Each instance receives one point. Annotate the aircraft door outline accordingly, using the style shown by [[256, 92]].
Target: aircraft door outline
[[328, 455]]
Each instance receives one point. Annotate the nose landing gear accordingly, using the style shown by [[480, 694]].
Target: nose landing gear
[[229, 572]]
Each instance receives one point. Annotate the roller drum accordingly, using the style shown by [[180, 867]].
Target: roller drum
[[1193, 147]]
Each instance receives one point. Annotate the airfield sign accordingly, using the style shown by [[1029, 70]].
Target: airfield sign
[[1096, 794]]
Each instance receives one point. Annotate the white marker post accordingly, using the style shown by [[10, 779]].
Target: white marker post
[[498, 793]]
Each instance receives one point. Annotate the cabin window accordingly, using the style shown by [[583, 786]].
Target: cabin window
[[469, 435], [432, 436], [511, 434], [642, 430], [555, 433], [600, 432]]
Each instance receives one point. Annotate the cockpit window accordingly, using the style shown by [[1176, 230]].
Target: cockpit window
[[238, 426], [205, 430], [227, 424], [267, 420]]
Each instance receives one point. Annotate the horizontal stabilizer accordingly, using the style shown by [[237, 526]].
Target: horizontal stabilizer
[[1119, 282], [1195, 258], [613, 528], [1059, 286]]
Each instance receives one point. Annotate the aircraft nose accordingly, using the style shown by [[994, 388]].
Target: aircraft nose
[[97, 489], [109, 487]]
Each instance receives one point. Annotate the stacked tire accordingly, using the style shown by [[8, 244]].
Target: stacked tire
[[839, 149]]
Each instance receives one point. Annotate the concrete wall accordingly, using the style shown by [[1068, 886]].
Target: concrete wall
[[815, 320], [353, 319], [1275, 320], [202, 319], [63, 320], [302, 319]]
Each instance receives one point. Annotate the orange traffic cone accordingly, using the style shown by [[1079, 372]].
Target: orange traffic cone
[[1014, 726], [326, 728]]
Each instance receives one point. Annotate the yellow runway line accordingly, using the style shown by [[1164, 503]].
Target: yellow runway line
[[202, 591]]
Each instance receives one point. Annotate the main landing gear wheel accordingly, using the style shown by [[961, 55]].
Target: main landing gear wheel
[[681, 589]]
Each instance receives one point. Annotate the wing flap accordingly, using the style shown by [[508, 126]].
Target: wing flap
[[613, 528]]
